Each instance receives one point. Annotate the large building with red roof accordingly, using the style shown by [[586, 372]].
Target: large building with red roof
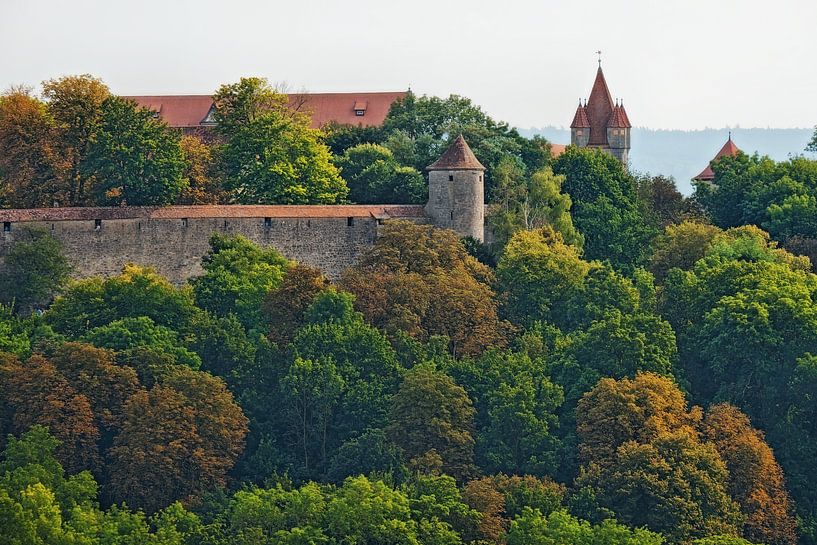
[[602, 122], [193, 113]]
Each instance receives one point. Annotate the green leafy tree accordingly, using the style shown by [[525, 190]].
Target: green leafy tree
[[432, 421], [417, 130], [540, 274], [270, 154], [680, 246], [134, 157], [606, 209], [560, 528], [812, 146], [34, 271], [311, 390], [528, 203], [673, 485], [617, 345], [14, 335], [374, 176], [755, 190], [129, 333], [664, 203], [364, 511], [237, 277], [136, 292], [516, 417]]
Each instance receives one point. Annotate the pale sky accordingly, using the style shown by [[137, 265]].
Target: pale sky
[[677, 64]]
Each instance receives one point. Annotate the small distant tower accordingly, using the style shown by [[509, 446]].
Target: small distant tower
[[618, 133], [728, 150], [602, 123], [456, 191], [580, 128]]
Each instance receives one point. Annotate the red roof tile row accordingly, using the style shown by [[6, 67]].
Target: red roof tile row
[[365, 109], [383, 211]]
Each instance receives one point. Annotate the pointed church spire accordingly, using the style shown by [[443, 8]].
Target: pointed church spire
[[599, 109]]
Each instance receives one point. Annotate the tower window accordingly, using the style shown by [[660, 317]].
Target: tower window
[[7, 227], [184, 222], [267, 223], [578, 133], [350, 221], [450, 177], [97, 224]]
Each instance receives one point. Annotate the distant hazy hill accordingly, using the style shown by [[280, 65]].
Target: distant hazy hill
[[683, 154]]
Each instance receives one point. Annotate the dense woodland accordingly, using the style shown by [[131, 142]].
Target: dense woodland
[[624, 365]]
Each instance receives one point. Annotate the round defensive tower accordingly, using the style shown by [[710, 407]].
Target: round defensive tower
[[456, 191]]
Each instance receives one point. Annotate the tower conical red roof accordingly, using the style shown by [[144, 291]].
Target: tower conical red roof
[[728, 150], [580, 120], [599, 109], [458, 156], [618, 119]]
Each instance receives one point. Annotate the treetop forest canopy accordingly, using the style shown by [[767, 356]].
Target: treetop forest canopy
[[621, 365]]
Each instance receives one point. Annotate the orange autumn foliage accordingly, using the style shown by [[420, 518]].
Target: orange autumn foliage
[[755, 478]]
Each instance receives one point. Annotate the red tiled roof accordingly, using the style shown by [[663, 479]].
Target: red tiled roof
[[580, 120], [599, 108], [188, 111], [458, 156], [214, 211], [183, 111], [557, 149], [618, 119], [728, 150]]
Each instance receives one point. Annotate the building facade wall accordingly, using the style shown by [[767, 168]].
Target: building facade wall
[[175, 246]]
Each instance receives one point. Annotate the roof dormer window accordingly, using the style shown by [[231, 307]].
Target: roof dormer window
[[210, 118], [360, 108]]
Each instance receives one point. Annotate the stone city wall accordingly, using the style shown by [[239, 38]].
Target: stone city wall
[[100, 241]]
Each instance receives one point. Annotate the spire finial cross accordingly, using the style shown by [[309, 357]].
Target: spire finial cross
[[599, 54]]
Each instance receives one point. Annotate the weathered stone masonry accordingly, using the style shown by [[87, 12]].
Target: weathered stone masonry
[[100, 241]]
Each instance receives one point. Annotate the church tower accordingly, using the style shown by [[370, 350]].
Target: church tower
[[456, 191], [602, 123]]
